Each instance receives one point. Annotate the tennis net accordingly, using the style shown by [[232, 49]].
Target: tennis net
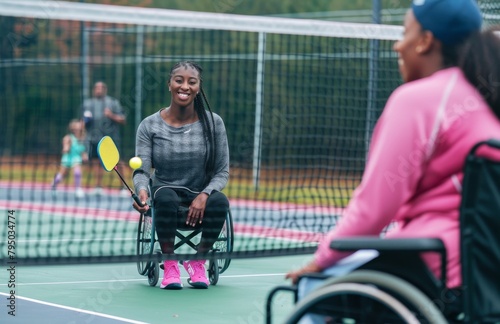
[[299, 99]]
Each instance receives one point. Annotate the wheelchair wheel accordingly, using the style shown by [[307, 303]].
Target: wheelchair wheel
[[225, 242], [366, 296], [213, 272], [145, 244], [154, 274]]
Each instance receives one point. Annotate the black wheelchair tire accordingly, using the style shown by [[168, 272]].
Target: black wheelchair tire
[[213, 272], [154, 274], [145, 244], [227, 238]]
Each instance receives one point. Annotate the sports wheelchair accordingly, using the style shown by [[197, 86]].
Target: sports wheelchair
[[397, 287], [150, 256]]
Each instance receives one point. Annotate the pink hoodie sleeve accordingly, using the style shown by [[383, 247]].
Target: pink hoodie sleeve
[[394, 167]]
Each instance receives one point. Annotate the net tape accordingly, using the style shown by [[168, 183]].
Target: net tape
[[187, 19]]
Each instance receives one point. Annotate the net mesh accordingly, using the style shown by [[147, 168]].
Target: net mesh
[[491, 11], [299, 99]]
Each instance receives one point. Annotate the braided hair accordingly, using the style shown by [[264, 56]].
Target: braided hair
[[201, 104]]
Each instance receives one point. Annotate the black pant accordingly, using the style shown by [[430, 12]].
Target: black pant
[[166, 202]]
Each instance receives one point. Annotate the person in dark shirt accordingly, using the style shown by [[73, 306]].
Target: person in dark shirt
[[103, 116]]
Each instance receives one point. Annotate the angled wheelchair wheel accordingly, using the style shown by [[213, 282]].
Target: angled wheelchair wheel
[[154, 274], [225, 242], [145, 244], [366, 296], [213, 272]]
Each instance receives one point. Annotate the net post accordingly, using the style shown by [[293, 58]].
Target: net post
[[258, 110]]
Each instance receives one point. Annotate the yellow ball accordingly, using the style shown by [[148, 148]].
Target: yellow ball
[[135, 162]]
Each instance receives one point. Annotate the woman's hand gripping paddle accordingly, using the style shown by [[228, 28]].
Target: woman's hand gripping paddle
[[109, 156]]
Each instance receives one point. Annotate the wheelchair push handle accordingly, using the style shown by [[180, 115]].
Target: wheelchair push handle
[[492, 142]]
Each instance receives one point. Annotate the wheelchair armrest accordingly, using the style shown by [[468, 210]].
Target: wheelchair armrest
[[387, 244], [393, 245], [314, 275]]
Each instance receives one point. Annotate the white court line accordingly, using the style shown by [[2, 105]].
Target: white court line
[[77, 309], [72, 282], [76, 240], [130, 280], [255, 275]]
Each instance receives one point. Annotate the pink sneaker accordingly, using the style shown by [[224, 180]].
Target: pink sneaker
[[171, 275], [197, 273]]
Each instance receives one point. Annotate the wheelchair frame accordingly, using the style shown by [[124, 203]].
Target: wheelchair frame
[[378, 286], [480, 255], [149, 258]]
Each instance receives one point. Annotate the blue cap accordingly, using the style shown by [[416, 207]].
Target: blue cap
[[450, 21]]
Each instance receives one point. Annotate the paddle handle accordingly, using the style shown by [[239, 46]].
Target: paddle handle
[[134, 196], [137, 200]]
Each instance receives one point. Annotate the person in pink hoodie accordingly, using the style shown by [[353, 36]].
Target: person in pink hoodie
[[450, 100]]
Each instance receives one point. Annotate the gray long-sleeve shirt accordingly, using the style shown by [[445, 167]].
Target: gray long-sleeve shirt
[[178, 155], [101, 125]]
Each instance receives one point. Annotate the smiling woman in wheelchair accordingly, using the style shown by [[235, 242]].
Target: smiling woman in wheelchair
[[187, 147], [450, 101]]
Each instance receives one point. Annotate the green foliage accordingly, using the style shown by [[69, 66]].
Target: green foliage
[[247, 7]]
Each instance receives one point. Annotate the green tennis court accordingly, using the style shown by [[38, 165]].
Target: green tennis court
[[115, 293]]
